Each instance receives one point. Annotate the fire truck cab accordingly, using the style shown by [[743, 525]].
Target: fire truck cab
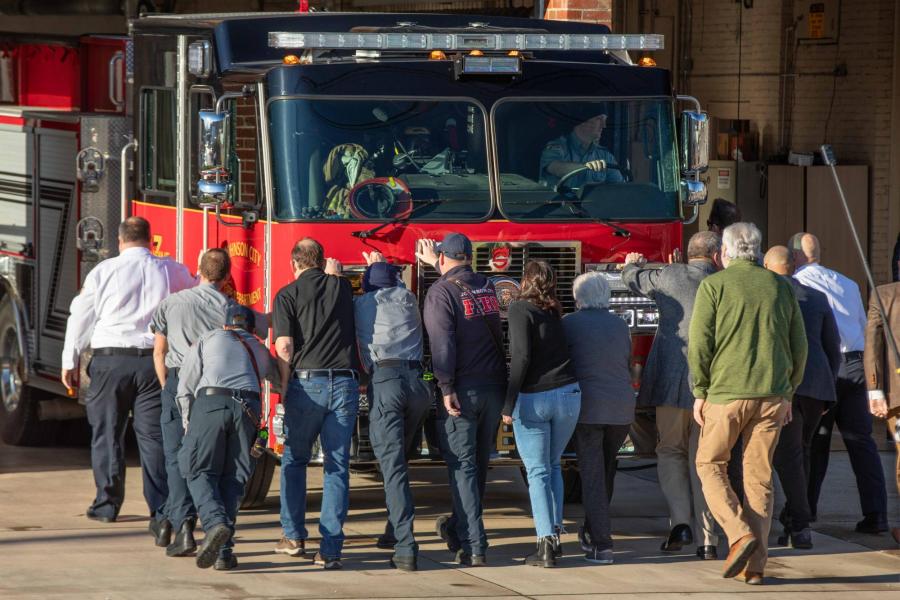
[[371, 131]]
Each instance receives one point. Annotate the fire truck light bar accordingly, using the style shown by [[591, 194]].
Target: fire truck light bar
[[463, 41]]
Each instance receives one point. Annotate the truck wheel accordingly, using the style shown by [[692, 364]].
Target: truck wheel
[[258, 487], [19, 423]]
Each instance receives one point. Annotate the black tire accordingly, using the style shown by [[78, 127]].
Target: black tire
[[258, 487], [19, 423]]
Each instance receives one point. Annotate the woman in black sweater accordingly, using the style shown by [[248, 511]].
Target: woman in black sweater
[[542, 401]]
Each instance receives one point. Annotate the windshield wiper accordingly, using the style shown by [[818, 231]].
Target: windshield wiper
[[618, 230], [366, 234]]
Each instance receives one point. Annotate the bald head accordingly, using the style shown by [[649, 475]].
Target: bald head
[[704, 245], [806, 248], [779, 260], [308, 254]]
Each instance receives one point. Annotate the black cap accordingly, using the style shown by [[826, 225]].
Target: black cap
[[241, 317], [455, 246]]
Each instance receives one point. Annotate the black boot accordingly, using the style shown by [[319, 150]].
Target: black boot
[[184, 543], [543, 556], [161, 530]]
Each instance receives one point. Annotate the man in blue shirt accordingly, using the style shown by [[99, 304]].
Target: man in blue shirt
[[580, 148], [851, 411]]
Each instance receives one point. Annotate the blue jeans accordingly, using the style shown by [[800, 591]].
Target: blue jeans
[[543, 423], [323, 407]]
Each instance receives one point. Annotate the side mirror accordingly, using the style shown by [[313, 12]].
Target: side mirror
[[693, 193], [214, 184], [694, 141]]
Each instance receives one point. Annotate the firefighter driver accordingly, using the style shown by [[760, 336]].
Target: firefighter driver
[[579, 148]]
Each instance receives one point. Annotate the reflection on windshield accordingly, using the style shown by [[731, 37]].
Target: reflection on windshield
[[379, 159], [587, 160]]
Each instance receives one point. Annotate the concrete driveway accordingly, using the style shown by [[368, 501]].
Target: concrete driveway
[[48, 549]]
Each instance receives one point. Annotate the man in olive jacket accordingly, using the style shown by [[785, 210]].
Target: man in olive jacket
[[747, 351]]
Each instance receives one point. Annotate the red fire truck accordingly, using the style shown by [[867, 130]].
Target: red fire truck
[[366, 132]]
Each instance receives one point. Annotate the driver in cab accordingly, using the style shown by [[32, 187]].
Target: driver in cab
[[579, 148]]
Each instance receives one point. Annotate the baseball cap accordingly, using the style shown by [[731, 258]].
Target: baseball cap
[[240, 316], [455, 246], [380, 275]]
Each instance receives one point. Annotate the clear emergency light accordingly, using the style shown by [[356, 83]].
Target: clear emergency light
[[500, 42]]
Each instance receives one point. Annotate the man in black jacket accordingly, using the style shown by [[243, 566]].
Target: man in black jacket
[[462, 317], [816, 392]]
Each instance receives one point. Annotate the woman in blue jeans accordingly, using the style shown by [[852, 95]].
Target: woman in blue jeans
[[543, 401]]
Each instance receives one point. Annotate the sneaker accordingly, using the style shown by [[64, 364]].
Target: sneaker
[[290, 547], [599, 557], [584, 538], [327, 563]]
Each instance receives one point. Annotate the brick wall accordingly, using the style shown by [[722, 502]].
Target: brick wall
[[590, 11], [728, 39]]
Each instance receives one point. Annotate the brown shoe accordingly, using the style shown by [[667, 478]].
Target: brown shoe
[[738, 555], [750, 577], [291, 547]]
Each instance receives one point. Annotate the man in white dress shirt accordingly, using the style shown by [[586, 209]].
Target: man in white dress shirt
[[851, 411], [112, 315]]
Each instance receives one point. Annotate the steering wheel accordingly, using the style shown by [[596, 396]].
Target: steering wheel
[[380, 198], [562, 189]]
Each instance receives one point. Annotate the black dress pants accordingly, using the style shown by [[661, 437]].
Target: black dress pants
[[791, 461], [851, 415], [121, 385]]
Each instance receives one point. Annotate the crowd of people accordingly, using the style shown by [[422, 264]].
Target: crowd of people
[[756, 358]]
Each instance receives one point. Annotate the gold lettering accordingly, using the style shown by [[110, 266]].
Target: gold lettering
[[248, 298], [244, 250]]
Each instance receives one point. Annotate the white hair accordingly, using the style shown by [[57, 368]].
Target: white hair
[[591, 290], [741, 241]]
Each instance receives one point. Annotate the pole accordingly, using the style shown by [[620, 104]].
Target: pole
[[829, 159]]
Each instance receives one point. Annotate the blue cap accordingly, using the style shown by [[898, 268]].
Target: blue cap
[[240, 316], [380, 275], [455, 246]]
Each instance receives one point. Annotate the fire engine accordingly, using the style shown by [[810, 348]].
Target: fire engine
[[363, 131]]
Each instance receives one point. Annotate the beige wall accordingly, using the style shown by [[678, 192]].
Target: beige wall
[[860, 120]]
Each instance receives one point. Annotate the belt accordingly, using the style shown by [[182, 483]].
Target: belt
[[854, 354], [393, 363], [222, 391], [123, 352], [310, 373]]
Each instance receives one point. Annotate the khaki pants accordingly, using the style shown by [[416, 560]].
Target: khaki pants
[[676, 453], [893, 418], [759, 422]]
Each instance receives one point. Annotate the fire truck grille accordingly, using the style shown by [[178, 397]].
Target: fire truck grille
[[564, 257]]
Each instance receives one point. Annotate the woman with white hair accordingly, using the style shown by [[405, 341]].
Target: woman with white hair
[[600, 347]]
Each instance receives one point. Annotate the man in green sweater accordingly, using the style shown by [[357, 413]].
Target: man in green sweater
[[747, 351]]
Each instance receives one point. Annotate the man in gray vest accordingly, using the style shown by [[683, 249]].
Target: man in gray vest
[[389, 332], [665, 384], [219, 400], [177, 324]]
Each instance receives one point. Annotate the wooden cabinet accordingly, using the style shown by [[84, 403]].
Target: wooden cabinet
[[806, 199]]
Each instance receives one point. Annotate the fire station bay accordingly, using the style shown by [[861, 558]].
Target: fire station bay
[[369, 125]]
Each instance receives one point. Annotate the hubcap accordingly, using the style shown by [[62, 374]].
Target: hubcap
[[10, 380]]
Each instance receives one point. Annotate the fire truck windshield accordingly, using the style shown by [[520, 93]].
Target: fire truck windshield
[[359, 160], [602, 160]]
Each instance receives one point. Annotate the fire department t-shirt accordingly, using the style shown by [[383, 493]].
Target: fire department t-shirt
[[316, 311]]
